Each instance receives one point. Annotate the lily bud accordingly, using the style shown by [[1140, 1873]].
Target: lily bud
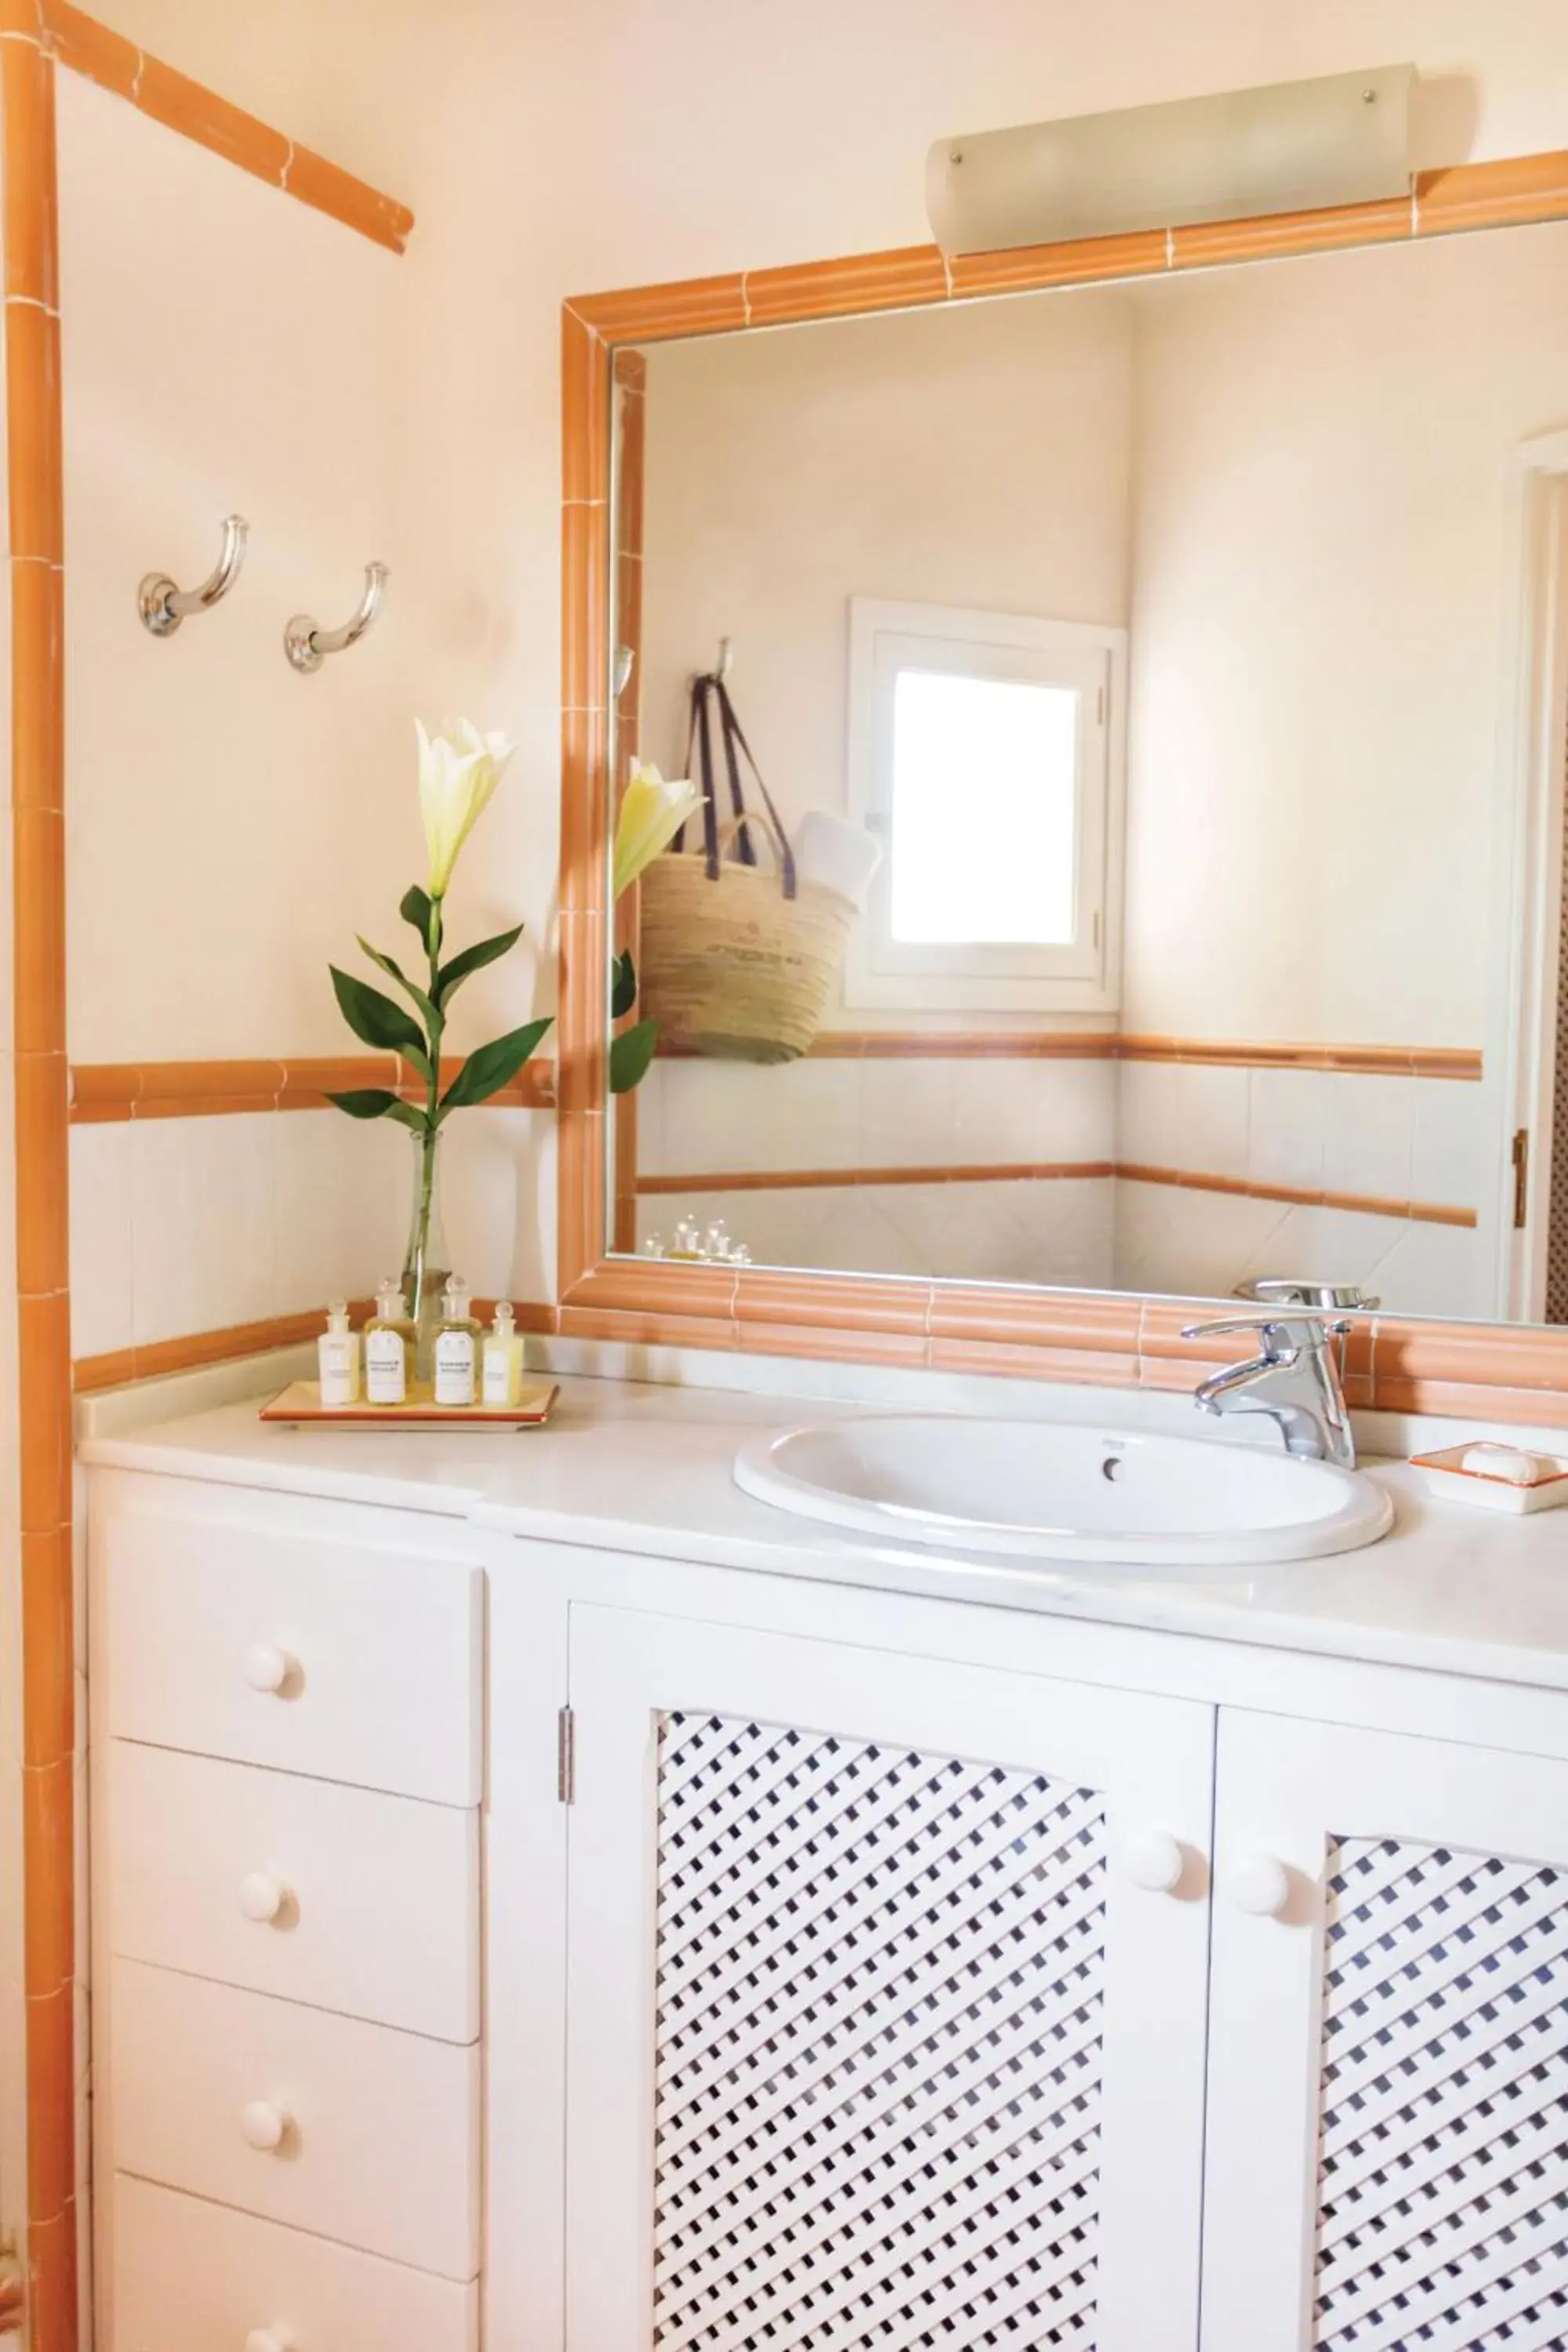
[[653, 810], [458, 770]]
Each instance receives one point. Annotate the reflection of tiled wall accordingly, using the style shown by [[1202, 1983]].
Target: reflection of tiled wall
[[1395, 1167], [1424, 1142], [833, 1117]]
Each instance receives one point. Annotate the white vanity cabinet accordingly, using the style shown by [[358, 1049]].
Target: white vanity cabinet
[[909, 1957], [933, 1976], [858, 1967], [286, 1741]]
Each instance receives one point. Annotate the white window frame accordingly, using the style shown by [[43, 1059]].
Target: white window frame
[[1089, 658]]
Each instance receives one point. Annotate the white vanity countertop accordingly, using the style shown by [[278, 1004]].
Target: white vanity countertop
[[636, 1467]]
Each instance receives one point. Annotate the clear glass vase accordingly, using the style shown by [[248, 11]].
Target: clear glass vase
[[427, 1261]]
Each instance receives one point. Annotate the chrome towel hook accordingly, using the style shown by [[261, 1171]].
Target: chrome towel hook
[[308, 646], [163, 605]]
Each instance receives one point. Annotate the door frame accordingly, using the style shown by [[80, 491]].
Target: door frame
[[1530, 899]]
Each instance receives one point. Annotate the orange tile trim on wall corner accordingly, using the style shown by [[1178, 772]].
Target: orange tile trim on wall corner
[[156, 89], [42, 1526], [1047, 1335], [34, 34]]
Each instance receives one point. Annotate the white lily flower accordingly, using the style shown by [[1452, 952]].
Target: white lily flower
[[458, 770], [653, 810]]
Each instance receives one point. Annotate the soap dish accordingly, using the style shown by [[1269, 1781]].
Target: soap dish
[[1445, 1475]]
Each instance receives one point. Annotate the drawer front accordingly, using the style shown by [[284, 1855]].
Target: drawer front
[[379, 2130], [193, 2277], [312, 1656], [376, 1898]]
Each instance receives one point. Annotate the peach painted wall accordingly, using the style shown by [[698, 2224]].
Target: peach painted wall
[[231, 825], [977, 457]]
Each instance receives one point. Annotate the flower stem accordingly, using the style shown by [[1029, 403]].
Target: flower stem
[[432, 1123]]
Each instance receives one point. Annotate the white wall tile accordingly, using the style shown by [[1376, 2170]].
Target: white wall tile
[[1183, 1115], [740, 1115], [101, 1240], [1287, 1124], [205, 1204], [344, 1189], [1368, 1133], [1458, 1146]]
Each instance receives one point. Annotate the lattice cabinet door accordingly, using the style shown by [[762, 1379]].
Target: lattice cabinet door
[[886, 2001], [1387, 2165]]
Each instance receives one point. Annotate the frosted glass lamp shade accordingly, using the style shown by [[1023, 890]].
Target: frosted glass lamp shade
[[1290, 147]]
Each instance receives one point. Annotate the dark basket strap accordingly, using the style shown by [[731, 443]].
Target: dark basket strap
[[733, 734]]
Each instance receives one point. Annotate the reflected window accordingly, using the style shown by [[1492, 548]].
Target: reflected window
[[985, 811], [985, 751]]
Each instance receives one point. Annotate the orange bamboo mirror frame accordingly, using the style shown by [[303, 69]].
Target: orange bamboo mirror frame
[[1498, 1371]]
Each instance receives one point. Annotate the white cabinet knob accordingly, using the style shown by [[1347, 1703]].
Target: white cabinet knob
[[265, 1668], [263, 2125], [1153, 1860], [262, 1896], [268, 2339], [1259, 1883]]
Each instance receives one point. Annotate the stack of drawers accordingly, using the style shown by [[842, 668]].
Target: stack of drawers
[[287, 1862]]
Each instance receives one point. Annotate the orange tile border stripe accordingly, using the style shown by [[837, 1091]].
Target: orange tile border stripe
[[1366, 1204], [1508, 193], [154, 1359], [156, 89], [1115, 1045], [785, 1179], [105, 1092]]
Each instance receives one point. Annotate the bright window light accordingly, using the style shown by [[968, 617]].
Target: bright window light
[[983, 811]]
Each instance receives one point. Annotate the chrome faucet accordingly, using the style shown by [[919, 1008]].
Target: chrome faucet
[[1294, 1379]]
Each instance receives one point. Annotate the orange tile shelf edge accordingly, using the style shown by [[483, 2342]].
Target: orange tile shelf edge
[[91, 49], [194, 1350], [105, 1092]]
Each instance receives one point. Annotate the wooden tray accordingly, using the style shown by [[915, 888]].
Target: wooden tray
[[301, 1405]]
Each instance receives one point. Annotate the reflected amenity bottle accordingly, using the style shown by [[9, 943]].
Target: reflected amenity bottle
[[457, 1346], [388, 1348]]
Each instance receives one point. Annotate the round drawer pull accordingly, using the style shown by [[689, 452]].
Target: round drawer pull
[[1260, 1884], [270, 2339], [266, 1668], [263, 2125], [262, 1896], [1153, 1861]]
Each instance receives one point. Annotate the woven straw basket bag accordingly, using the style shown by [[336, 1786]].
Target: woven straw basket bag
[[738, 960]]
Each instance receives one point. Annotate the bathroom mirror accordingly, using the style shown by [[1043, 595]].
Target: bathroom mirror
[[1186, 652]]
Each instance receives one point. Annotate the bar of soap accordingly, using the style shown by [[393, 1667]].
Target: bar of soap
[[1509, 1462]]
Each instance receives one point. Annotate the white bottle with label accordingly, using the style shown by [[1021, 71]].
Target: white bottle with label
[[337, 1353], [386, 1348], [457, 1346], [503, 1358]]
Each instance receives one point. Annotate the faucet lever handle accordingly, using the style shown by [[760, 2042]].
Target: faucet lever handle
[[1272, 1327]]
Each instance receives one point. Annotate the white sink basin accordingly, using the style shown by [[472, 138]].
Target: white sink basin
[[1061, 1491]]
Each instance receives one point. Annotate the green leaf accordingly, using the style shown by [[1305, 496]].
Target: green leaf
[[417, 994], [376, 1102], [375, 1018], [630, 1056], [452, 975], [493, 1067], [623, 986], [365, 1102], [415, 908]]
